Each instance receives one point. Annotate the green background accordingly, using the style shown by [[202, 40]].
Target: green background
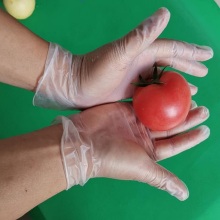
[[82, 26]]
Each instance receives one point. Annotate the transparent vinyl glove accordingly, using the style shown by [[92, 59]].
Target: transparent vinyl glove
[[109, 141], [105, 74]]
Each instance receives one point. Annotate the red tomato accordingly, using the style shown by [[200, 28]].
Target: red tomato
[[163, 106]]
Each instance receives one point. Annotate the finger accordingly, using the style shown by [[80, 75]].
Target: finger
[[172, 146], [171, 48], [157, 176], [195, 117], [142, 36], [188, 66], [193, 89], [193, 105]]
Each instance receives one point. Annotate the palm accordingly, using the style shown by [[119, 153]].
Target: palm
[[125, 148], [113, 82]]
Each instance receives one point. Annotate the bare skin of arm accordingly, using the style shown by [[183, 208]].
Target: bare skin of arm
[[31, 171], [22, 54]]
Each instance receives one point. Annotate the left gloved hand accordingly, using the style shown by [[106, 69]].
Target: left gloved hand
[[109, 141], [105, 75]]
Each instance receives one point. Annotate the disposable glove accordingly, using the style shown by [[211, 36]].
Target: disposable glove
[[105, 75], [109, 141]]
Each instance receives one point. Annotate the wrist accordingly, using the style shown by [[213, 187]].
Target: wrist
[[22, 54], [79, 160], [56, 87], [32, 165]]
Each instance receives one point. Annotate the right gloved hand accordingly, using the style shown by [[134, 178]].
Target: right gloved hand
[[109, 141], [105, 75]]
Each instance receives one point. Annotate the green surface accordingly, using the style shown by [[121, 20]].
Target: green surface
[[83, 25]]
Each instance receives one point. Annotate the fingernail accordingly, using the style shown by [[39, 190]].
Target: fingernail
[[193, 86], [205, 131], [193, 104], [205, 112], [164, 9], [182, 196], [178, 191], [207, 48], [203, 47]]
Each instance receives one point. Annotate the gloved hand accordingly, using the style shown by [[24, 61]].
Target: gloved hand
[[105, 75], [109, 141]]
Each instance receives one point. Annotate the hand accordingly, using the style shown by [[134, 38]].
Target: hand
[[109, 141], [105, 75]]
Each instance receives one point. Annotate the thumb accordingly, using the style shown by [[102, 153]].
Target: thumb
[[143, 35], [157, 176]]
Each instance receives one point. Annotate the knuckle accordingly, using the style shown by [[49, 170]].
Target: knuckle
[[174, 49]]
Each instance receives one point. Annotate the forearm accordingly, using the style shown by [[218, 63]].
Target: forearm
[[22, 54], [31, 171]]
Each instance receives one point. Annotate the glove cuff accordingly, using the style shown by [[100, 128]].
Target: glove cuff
[[77, 155], [53, 89]]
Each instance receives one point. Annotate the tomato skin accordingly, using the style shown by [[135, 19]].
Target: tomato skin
[[161, 107]]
